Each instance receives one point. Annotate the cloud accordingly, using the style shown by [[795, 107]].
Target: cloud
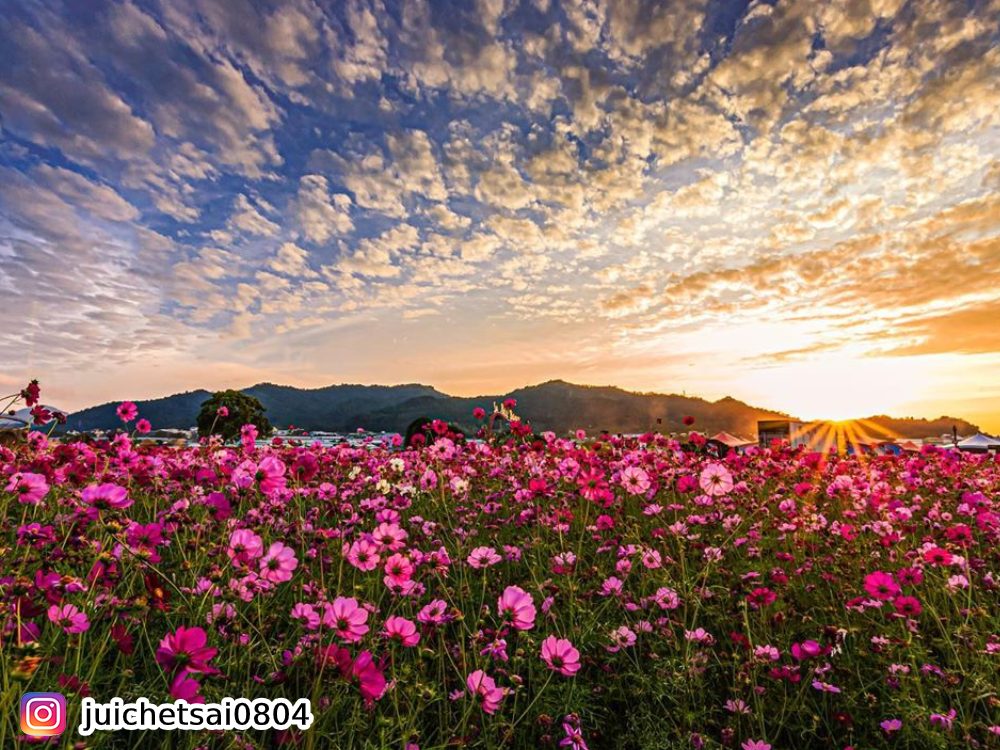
[[247, 218], [322, 215]]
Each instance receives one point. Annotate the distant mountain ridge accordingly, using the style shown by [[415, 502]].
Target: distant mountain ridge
[[554, 405]]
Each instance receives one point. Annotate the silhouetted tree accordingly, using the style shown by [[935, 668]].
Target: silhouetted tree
[[227, 411]]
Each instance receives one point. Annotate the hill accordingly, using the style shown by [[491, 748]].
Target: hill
[[555, 405]]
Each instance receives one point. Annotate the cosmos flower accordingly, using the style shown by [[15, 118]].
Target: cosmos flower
[[485, 690], [30, 488], [186, 649], [517, 607], [69, 618], [244, 546], [278, 563], [483, 557], [127, 411], [346, 618], [560, 656], [106, 496], [715, 479], [881, 585], [402, 630]]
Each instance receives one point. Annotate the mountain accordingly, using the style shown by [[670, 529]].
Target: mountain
[[555, 405]]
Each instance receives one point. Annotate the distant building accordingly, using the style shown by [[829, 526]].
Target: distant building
[[721, 443], [769, 430]]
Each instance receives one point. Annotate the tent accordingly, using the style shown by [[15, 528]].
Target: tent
[[22, 418], [979, 443]]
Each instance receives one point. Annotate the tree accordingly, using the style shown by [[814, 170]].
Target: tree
[[227, 411]]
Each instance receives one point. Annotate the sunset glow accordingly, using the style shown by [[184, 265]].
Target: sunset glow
[[795, 204]]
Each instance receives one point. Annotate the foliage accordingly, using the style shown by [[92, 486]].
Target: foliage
[[238, 409]]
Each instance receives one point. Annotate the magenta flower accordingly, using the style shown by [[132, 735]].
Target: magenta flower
[[806, 650], [127, 411], [143, 426], [881, 585], [517, 606], [560, 656], [346, 618], [30, 488], [755, 745], [184, 688], [368, 677], [69, 618], [398, 569], [186, 649], [278, 563], [402, 630], [907, 605]]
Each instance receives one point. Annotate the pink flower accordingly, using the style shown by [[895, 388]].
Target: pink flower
[[29, 488], [279, 562], [517, 605], [891, 725], [635, 480], [186, 649], [106, 496], [271, 475], [560, 656], [715, 479], [127, 411], [479, 413], [483, 557], [244, 546], [362, 554], [307, 614], [944, 720], [143, 426], [435, 613], [222, 412], [755, 745], [485, 689], [666, 598], [881, 585], [402, 630], [398, 568], [346, 618], [183, 687], [69, 618]]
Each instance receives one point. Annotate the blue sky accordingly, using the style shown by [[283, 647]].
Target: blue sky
[[778, 201]]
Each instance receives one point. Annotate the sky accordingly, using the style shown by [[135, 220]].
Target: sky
[[793, 203]]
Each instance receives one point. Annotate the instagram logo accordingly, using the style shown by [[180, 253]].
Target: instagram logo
[[43, 714]]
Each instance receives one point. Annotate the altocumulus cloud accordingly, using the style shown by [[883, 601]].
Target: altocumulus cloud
[[182, 176]]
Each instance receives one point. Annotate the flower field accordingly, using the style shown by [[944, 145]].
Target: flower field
[[534, 592]]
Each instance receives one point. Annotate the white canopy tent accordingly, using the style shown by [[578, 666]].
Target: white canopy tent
[[22, 418], [979, 443]]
